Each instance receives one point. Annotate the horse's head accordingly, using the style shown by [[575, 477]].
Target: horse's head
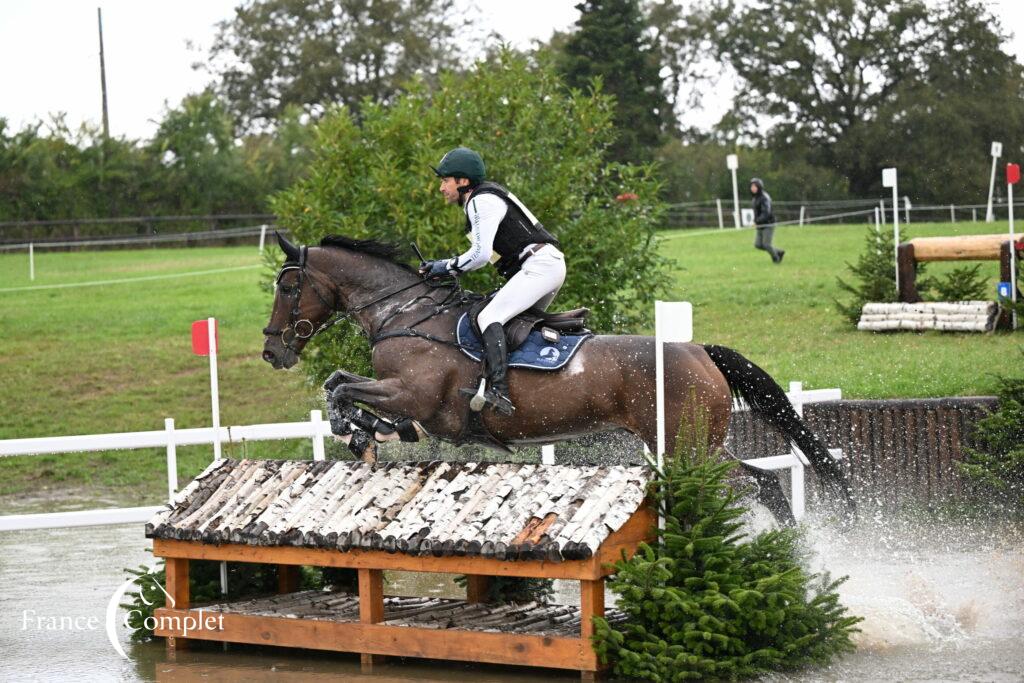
[[303, 301]]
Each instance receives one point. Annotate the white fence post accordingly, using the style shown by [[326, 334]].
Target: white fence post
[[721, 219], [906, 209], [172, 459], [31, 261], [263, 237], [952, 214], [211, 330], [547, 454], [802, 209], [317, 418]]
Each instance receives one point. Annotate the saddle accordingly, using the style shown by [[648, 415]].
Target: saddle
[[551, 325]]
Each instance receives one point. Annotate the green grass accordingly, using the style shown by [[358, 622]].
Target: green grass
[[783, 317], [115, 358]]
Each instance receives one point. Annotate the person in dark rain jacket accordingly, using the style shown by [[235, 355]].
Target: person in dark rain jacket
[[764, 220]]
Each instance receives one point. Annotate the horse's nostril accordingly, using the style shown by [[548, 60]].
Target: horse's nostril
[[269, 356]]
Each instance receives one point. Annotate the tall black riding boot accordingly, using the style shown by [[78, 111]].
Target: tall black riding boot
[[496, 365]]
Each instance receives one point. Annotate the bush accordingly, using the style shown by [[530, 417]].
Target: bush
[[371, 178], [996, 462], [705, 603], [960, 284], [874, 274]]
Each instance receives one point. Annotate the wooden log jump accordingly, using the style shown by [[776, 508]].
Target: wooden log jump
[[553, 521], [966, 248]]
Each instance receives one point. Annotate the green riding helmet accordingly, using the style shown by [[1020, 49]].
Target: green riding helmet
[[462, 162]]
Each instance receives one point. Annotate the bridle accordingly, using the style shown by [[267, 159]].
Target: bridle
[[301, 328], [304, 328]]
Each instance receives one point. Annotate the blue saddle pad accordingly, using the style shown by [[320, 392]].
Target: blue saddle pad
[[535, 353]]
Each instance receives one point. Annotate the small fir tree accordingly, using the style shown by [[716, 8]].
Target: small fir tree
[[996, 462], [703, 602], [874, 274]]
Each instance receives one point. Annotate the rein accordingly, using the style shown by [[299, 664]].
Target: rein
[[304, 328]]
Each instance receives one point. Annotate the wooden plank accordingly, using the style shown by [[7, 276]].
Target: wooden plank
[[965, 248], [176, 573], [403, 641], [639, 528], [476, 588], [288, 578], [376, 559], [371, 610], [591, 605]]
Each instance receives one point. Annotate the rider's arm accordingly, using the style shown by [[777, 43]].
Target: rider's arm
[[485, 213]]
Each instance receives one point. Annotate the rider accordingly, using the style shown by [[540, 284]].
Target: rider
[[501, 230]]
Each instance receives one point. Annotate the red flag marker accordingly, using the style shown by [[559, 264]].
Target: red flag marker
[[1012, 174], [201, 338]]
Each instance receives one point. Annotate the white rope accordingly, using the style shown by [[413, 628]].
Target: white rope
[[130, 280], [725, 231], [145, 239]]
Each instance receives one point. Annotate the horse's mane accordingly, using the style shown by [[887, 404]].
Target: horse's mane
[[386, 250]]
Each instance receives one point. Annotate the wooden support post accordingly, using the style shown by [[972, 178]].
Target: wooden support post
[[289, 578], [908, 273], [476, 588], [176, 570], [371, 609], [1005, 321], [591, 605]]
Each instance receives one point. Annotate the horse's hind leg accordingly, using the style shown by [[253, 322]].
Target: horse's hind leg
[[770, 494]]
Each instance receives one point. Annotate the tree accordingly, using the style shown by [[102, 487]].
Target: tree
[[609, 48], [705, 601], [319, 53], [371, 178], [861, 84]]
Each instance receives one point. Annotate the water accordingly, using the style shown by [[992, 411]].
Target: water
[[940, 602]]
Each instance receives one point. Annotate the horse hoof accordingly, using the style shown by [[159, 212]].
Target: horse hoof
[[477, 403]]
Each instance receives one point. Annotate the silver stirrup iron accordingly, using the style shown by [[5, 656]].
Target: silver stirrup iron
[[477, 403]]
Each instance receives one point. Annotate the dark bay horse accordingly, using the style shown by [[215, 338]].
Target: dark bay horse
[[609, 384]]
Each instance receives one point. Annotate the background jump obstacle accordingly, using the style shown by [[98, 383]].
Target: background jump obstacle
[[957, 316], [966, 248], [482, 520]]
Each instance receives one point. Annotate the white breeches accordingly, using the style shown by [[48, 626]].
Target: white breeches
[[536, 284]]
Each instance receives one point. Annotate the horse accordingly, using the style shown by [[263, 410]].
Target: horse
[[419, 368]]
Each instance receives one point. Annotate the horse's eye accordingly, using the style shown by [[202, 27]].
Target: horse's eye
[[287, 290]]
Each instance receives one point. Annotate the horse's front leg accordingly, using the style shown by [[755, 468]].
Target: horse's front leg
[[345, 390]]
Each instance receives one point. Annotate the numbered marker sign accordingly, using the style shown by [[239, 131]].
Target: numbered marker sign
[[1003, 288], [732, 162], [888, 177], [997, 149]]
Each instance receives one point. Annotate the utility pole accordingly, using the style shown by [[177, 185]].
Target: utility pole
[[103, 77]]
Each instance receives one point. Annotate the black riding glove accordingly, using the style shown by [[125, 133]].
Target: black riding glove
[[432, 269]]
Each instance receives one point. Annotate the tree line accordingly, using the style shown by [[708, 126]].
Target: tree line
[[827, 93]]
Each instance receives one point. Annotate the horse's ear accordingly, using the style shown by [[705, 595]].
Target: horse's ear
[[291, 251]]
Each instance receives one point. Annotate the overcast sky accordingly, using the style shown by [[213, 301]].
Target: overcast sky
[[50, 56]]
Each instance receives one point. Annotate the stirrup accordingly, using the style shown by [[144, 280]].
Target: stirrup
[[484, 397]]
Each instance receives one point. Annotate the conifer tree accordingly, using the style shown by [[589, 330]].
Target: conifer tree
[[996, 461], [704, 602], [609, 45]]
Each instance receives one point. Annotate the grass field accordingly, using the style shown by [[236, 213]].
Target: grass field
[[784, 317], [116, 357]]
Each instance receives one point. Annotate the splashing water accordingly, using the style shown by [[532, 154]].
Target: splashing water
[[940, 600]]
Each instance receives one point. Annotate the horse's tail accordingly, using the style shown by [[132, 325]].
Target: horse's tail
[[767, 399]]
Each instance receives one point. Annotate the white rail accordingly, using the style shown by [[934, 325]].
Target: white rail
[[169, 438]]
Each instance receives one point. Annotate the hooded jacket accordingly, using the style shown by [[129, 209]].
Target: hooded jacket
[[763, 214]]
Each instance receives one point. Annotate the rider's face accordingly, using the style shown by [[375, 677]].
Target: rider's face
[[450, 188]]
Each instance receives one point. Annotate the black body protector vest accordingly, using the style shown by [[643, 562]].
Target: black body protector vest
[[517, 230]]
